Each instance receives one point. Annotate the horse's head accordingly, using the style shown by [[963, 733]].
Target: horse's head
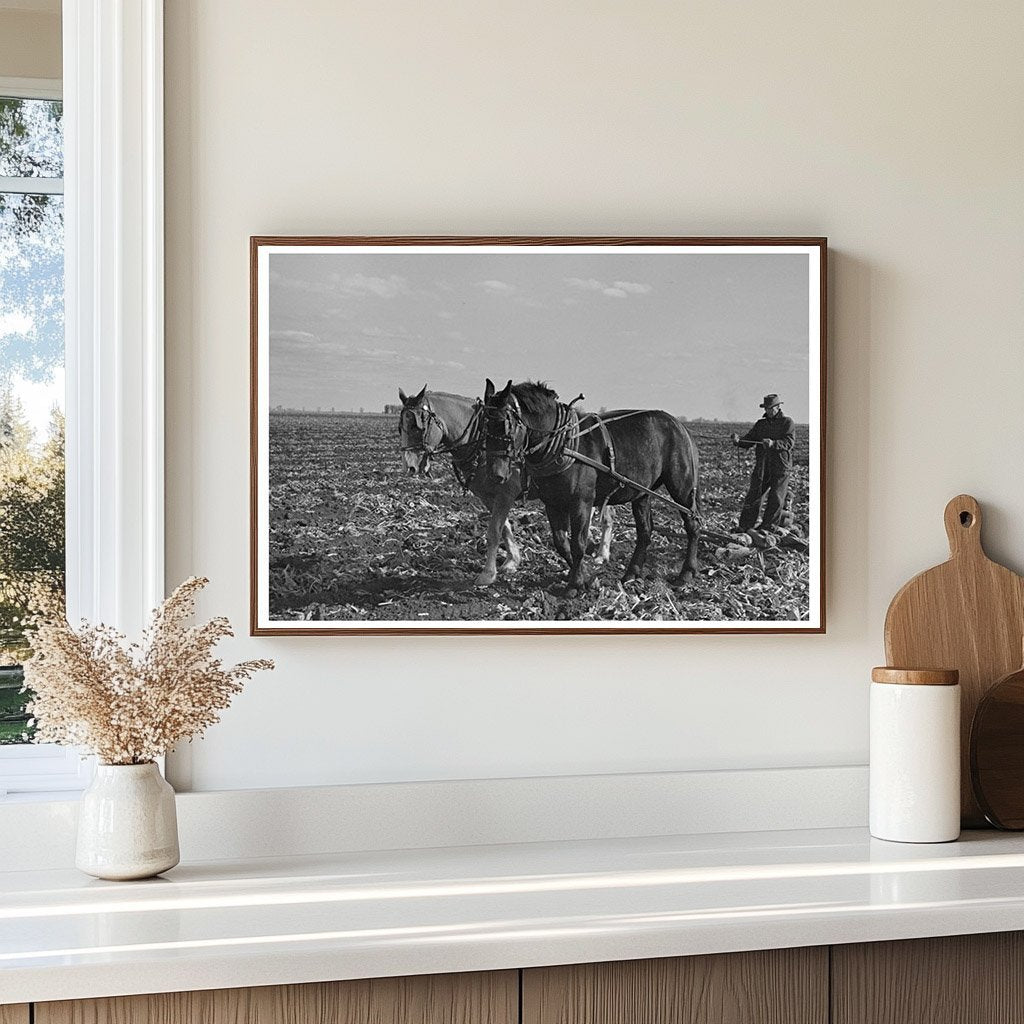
[[420, 431], [504, 431]]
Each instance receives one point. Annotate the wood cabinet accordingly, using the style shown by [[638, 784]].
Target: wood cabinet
[[962, 979], [776, 986], [482, 998], [969, 979]]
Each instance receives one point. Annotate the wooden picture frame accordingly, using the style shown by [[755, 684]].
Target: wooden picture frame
[[726, 321]]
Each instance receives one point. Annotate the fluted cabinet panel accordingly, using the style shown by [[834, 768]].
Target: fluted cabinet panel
[[778, 986], [481, 998], [960, 979]]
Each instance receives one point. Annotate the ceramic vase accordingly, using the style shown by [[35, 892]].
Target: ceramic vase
[[127, 825]]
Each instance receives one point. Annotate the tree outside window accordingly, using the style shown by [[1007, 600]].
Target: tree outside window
[[31, 386]]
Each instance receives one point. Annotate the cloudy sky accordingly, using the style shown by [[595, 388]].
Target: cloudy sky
[[696, 334]]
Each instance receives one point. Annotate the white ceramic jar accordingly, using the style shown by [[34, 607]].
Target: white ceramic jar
[[127, 823], [915, 755]]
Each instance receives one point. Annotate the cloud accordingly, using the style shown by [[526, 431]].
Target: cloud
[[383, 287], [585, 284], [294, 345], [352, 285], [496, 287], [293, 337], [615, 290], [633, 287]]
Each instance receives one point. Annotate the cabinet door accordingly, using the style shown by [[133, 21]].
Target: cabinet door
[[962, 979], [14, 1014], [778, 986], [490, 998]]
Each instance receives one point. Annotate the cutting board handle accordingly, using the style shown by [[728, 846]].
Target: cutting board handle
[[963, 526]]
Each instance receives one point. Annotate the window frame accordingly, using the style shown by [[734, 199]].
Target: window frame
[[112, 89]]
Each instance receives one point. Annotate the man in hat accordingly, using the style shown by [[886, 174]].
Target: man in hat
[[772, 438]]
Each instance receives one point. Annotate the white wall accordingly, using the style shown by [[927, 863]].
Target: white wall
[[895, 129]]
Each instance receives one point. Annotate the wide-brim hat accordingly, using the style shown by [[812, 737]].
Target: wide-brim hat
[[770, 401]]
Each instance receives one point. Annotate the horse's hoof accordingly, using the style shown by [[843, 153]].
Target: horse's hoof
[[631, 574], [684, 578], [485, 579], [510, 567]]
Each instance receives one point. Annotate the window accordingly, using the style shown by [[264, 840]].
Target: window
[[32, 531], [112, 207]]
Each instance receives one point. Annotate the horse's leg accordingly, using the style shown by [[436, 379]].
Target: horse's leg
[[503, 502], [579, 531], [688, 498], [644, 528], [600, 548], [559, 521], [495, 531], [604, 545], [515, 553], [691, 566]]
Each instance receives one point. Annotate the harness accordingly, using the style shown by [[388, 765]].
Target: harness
[[557, 449], [464, 449]]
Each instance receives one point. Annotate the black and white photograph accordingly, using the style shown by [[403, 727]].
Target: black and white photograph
[[537, 435]]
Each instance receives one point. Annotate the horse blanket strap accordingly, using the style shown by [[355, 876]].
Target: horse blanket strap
[[607, 438]]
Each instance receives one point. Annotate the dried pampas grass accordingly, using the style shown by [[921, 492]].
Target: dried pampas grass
[[130, 703]]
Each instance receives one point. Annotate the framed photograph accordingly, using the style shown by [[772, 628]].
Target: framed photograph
[[537, 435]]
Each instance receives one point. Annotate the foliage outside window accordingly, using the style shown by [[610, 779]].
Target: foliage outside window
[[31, 386]]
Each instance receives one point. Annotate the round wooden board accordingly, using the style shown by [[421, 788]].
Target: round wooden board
[[997, 752]]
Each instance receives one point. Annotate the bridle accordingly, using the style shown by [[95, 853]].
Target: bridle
[[464, 449], [423, 418], [505, 433]]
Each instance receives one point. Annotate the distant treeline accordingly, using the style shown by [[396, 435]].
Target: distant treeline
[[394, 410], [280, 410]]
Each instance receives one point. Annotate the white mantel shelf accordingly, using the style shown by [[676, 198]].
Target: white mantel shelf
[[228, 924]]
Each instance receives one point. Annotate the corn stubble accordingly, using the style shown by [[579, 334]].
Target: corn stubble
[[352, 538]]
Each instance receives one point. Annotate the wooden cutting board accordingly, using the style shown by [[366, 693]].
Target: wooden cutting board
[[967, 614]]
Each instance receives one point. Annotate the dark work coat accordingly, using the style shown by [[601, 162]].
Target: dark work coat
[[780, 456]]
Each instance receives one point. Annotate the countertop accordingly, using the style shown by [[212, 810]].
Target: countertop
[[225, 924]]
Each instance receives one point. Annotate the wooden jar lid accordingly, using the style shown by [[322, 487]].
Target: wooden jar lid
[[916, 676]]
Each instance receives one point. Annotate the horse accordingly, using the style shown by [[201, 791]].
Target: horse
[[527, 426], [437, 422]]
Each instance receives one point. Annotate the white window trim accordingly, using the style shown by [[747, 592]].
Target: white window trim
[[32, 88], [114, 325]]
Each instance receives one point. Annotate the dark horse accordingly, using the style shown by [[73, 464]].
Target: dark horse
[[527, 426]]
